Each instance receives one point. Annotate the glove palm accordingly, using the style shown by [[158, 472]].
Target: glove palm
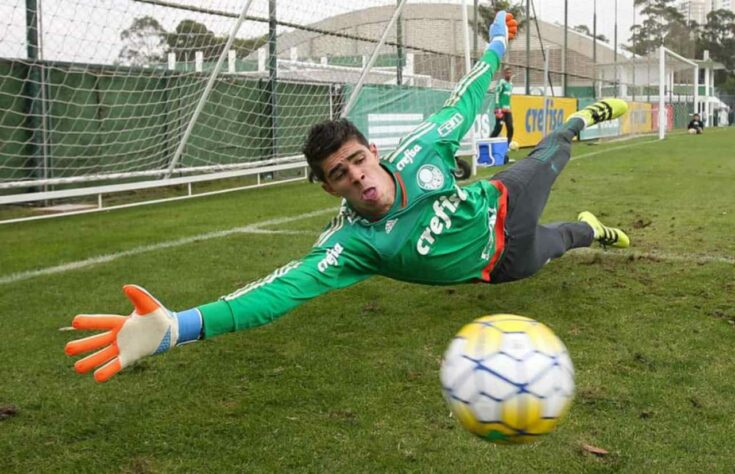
[[150, 329]]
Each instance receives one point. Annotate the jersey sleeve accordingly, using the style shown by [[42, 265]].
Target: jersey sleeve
[[334, 262], [458, 114], [438, 137]]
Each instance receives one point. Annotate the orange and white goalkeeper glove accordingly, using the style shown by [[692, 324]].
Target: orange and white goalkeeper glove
[[503, 29], [150, 329]]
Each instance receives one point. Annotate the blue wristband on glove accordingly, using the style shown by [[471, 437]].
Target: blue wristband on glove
[[498, 47], [190, 325]]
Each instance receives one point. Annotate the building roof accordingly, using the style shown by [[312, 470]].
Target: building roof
[[433, 35]]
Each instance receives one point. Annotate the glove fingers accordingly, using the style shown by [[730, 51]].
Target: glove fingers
[[98, 321], [143, 302], [104, 373], [89, 343], [512, 25], [83, 366]]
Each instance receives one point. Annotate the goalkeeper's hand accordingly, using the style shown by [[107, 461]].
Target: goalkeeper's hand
[[502, 30], [150, 329]]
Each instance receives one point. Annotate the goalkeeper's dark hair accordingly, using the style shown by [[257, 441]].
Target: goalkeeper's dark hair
[[324, 139]]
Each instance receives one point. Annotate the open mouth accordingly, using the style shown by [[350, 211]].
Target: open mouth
[[370, 194]]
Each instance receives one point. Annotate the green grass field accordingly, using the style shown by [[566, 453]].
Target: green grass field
[[349, 382]]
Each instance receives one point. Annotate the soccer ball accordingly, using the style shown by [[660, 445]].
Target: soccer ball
[[507, 378], [692, 131], [513, 145]]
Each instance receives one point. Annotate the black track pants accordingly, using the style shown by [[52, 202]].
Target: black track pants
[[530, 245]]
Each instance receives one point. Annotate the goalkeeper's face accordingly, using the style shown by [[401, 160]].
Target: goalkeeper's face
[[353, 172]]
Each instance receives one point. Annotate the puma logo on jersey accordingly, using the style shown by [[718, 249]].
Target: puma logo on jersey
[[332, 258], [444, 208], [408, 157]]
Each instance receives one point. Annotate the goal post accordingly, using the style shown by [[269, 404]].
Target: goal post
[[661, 88]]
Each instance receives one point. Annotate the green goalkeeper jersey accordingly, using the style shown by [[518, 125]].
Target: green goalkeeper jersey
[[436, 232], [503, 91]]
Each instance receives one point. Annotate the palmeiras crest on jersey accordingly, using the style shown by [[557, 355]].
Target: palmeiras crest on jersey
[[430, 177]]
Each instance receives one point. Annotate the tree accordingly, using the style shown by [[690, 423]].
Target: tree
[[584, 29], [663, 24], [718, 36], [191, 36], [728, 85], [146, 43], [487, 15]]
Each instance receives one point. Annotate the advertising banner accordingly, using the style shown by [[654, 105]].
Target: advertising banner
[[637, 120], [611, 128], [669, 117], [530, 114]]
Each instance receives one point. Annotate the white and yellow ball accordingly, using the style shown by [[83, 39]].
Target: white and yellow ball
[[692, 131], [507, 378], [513, 145]]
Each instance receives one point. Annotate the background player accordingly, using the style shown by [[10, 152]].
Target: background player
[[695, 125], [503, 114]]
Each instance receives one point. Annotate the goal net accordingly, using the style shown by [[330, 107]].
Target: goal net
[[103, 96], [661, 89]]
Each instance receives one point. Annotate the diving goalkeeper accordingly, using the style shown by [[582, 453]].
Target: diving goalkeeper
[[402, 216]]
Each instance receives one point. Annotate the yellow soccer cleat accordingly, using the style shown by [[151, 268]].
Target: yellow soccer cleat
[[606, 236], [606, 109]]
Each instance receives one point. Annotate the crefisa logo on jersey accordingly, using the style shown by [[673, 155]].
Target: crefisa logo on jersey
[[430, 177], [332, 258]]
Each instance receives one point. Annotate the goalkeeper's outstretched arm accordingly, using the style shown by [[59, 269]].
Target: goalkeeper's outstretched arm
[[457, 115], [152, 328]]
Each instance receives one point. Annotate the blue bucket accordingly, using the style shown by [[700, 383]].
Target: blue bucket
[[491, 151]]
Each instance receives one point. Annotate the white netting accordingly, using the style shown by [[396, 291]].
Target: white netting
[[647, 83], [99, 89]]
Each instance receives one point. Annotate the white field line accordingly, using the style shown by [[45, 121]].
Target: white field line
[[257, 229], [248, 229]]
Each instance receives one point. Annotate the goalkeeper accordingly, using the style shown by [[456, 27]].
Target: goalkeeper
[[402, 217], [695, 125]]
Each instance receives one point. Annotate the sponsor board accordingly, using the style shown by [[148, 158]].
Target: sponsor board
[[669, 117], [637, 120], [531, 114], [611, 128]]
